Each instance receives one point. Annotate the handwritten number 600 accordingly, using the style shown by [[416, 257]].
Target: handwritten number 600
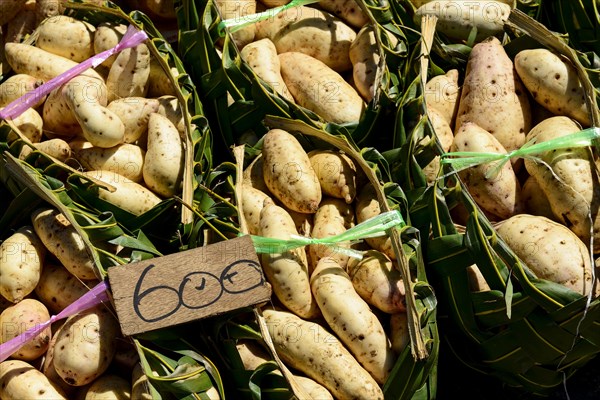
[[225, 283]]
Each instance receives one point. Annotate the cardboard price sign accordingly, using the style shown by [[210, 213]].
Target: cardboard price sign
[[187, 286]]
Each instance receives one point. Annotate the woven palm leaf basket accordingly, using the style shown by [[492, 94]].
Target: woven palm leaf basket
[[243, 108], [499, 316]]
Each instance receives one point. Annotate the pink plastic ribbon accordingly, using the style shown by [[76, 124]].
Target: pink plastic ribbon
[[132, 38], [98, 294]]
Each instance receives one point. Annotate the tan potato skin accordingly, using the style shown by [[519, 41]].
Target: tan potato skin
[[320, 89], [62, 240], [85, 345], [21, 25], [107, 36], [134, 112], [128, 75], [399, 334], [129, 195], [67, 37], [287, 272], [313, 388], [139, 384], [442, 93], [239, 9], [324, 226], [308, 347], [446, 137], [350, 317], [125, 159], [572, 186], [493, 96], [56, 148], [312, 32], [59, 288], [10, 8], [550, 250], [253, 201], [261, 55], [21, 259], [109, 387], [30, 60], [499, 194], [16, 86], [347, 10], [288, 173], [25, 315], [336, 172], [253, 175], [535, 200], [164, 162], [30, 124], [378, 282], [20, 380], [456, 18], [553, 83], [59, 120]]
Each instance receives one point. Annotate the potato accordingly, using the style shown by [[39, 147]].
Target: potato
[[59, 120], [164, 162], [399, 334], [253, 175], [107, 36], [58, 288], [350, 317], [17, 319], [128, 75], [20, 380], [252, 200], [365, 58], [30, 124], [85, 345], [347, 10], [100, 126], [288, 173], [310, 348], [336, 173], [442, 94], [63, 241], [493, 97], [378, 282], [261, 56], [239, 9], [535, 200], [159, 83], [314, 389], [457, 19], [10, 8], [312, 32], [252, 354], [67, 37], [304, 222], [129, 195], [320, 89], [327, 225], [168, 106], [139, 384], [366, 207], [553, 83], [568, 178], [287, 272], [336, 209], [134, 112], [109, 387], [21, 259], [125, 159], [446, 137], [477, 282], [16, 86], [30, 60], [498, 194], [56, 148], [550, 250]]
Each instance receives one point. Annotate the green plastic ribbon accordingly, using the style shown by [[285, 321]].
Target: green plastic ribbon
[[373, 227], [466, 159], [240, 22]]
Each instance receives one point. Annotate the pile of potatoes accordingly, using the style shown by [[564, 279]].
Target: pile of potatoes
[[544, 209], [338, 320], [45, 267], [323, 57], [120, 123]]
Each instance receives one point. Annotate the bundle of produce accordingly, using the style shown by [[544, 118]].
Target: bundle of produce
[[341, 314], [327, 62], [111, 164], [510, 200]]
